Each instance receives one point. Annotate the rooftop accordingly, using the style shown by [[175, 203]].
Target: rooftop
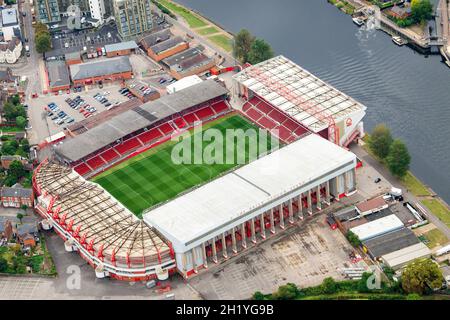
[[390, 242], [16, 192], [180, 57], [156, 37], [111, 228], [138, 118], [9, 16], [298, 93], [128, 45], [372, 204], [209, 209], [166, 45], [403, 256], [377, 227], [58, 74], [100, 68]]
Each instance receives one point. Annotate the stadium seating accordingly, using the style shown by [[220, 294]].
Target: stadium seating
[[204, 113], [220, 107], [166, 128], [82, 169], [127, 146], [150, 136], [269, 117], [190, 118], [109, 155], [180, 123], [95, 162]]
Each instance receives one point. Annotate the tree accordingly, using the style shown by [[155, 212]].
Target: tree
[[421, 276], [13, 111], [380, 141], [259, 51], [43, 42], [353, 239], [25, 144], [329, 285], [40, 27], [258, 296], [16, 169], [398, 159], [15, 100], [3, 264], [421, 10], [21, 122], [413, 296], [286, 292], [363, 283], [20, 217], [24, 207], [242, 45]]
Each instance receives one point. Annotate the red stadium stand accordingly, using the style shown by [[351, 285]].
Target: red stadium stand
[[267, 123], [109, 155], [254, 115], [95, 162], [220, 107], [128, 146], [190, 118], [149, 136], [180, 122], [204, 113], [263, 106], [82, 169], [165, 128]]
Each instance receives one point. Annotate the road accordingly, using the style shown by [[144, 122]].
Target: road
[[363, 155]]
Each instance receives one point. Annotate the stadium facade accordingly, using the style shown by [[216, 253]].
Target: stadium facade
[[224, 216]]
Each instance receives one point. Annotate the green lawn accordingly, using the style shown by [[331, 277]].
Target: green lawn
[[435, 238], [206, 31], [193, 20], [152, 177], [438, 209], [414, 185], [222, 41]]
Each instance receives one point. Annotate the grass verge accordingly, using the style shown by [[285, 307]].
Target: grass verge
[[222, 41], [438, 209]]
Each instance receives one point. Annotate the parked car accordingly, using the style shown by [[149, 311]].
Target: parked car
[[377, 180]]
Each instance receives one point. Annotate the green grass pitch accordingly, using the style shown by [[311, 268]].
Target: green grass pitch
[[151, 177]]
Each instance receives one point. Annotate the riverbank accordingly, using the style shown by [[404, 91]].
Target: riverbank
[[423, 193], [201, 25]]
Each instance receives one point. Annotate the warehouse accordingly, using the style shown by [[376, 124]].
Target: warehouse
[[377, 227], [120, 49], [389, 242], [280, 85], [167, 48], [400, 258], [101, 71], [58, 76], [229, 213], [189, 62]]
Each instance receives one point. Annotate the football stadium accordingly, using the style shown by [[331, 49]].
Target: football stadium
[[114, 193]]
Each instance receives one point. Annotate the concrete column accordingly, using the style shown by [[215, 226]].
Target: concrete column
[[224, 246], [194, 260], [184, 261], [327, 193], [205, 257], [310, 211], [300, 206], [272, 222], [319, 203], [263, 226], [233, 240], [336, 183], [280, 211], [291, 212], [214, 250], [244, 236], [252, 225], [346, 187]]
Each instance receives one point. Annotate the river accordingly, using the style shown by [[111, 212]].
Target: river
[[407, 91]]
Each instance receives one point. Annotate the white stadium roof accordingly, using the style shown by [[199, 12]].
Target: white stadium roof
[[210, 209], [298, 93]]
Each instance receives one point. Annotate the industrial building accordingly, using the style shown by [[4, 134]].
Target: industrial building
[[226, 215], [120, 49], [188, 62], [183, 84], [167, 48], [280, 85], [58, 75], [101, 71], [377, 227], [400, 258]]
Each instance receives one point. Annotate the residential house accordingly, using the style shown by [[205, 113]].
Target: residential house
[[10, 51], [17, 196]]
